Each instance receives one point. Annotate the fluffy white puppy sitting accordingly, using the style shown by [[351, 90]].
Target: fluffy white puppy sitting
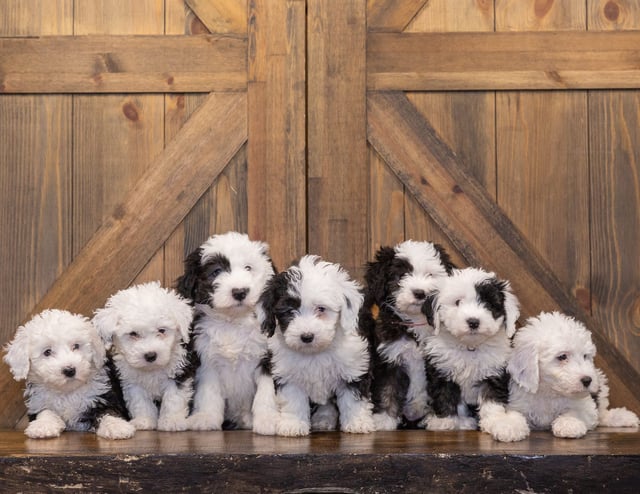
[[474, 316], [554, 382], [310, 313], [224, 279], [69, 387], [146, 329]]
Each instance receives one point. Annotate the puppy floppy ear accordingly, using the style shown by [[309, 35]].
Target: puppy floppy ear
[[376, 275], [106, 322], [266, 306], [98, 345], [512, 310], [187, 283], [182, 314], [445, 259], [352, 303], [17, 356], [523, 366], [429, 309]]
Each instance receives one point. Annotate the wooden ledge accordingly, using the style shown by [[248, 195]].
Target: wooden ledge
[[606, 460]]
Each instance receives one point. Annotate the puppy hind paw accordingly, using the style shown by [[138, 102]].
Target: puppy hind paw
[[619, 417], [509, 427], [172, 423], [142, 423], [359, 425], [204, 422], [385, 422], [292, 427], [569, 427], [115, 428], [434, 423]]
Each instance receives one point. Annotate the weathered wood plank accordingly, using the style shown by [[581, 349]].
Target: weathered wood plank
[[151, 211], [221, 16], [536, 15], [458, 16], [123, 64], [604, 460], [476, 225], [36, 17], [392, 15], [277, 132], [495, 61], [337, 146], [613, 14]]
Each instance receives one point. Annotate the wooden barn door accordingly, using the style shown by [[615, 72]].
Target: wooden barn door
[[131, 131]]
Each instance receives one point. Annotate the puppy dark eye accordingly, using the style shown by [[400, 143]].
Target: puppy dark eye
[[48, 352], [562, 357], [162, 330], [134, 335], [76, 346], [216, 272], [248, 268], [320, 309], [457, 302]]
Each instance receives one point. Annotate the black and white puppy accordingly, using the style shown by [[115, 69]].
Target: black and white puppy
[[474, 316], [224, 278], [146, 328], [69, 386], [316, 353], [397, 284]]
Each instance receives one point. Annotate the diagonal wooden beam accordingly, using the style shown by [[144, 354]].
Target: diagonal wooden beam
[[497, 61], [392, 15], [221, 16], [142, 223], [476, 225], [123, 64]]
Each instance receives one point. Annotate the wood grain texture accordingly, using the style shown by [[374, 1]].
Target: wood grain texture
[[476, 226], [495, 61], [613, 14], [615, 214], [35, 185], [221, 16], [276, 176], [392, 15], [394, 462], [337, 146], [458, 16], [108, 64], [540, 15]]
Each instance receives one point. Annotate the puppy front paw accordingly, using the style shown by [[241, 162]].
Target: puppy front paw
[[618, 417], [143, 423], [45, 427], [115, 428], [172, 423], [361, 424], [292, 427], [569, 427], [385, 422], [201, 421], [450, 423], [508, 427]]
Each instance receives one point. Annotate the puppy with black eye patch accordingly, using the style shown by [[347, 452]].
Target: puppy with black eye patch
[[316, 357], [474, 316], [224, 278], [398, 283]]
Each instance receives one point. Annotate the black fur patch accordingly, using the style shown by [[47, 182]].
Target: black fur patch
[[496, 388], [444, 393], [278, 305], [491, 295]]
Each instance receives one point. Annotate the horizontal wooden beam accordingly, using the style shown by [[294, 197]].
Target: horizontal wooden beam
[[475, 224], [503, 61], [123, 64], [152, 210]]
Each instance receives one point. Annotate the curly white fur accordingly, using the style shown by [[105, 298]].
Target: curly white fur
[[62, 358], [555, 384], [146, 326]]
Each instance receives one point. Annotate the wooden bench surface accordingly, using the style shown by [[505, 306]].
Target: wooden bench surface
[[606, 460]]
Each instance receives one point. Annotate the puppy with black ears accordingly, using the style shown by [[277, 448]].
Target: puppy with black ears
[[316, 353], [555, 383], [146, 330], [474, 316], [398, 283], [224, 278], [69, 386]]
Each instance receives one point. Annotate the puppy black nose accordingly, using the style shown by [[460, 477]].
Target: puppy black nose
[[306, 337], [473, 323], [150, 357], [239, 293], [69, 371], [586, 381], [419, 294]]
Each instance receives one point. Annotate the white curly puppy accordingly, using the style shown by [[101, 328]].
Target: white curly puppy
[[68, 385], [474, 317], [146, 329], [224, 278], [554, 382], [316, 354]]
